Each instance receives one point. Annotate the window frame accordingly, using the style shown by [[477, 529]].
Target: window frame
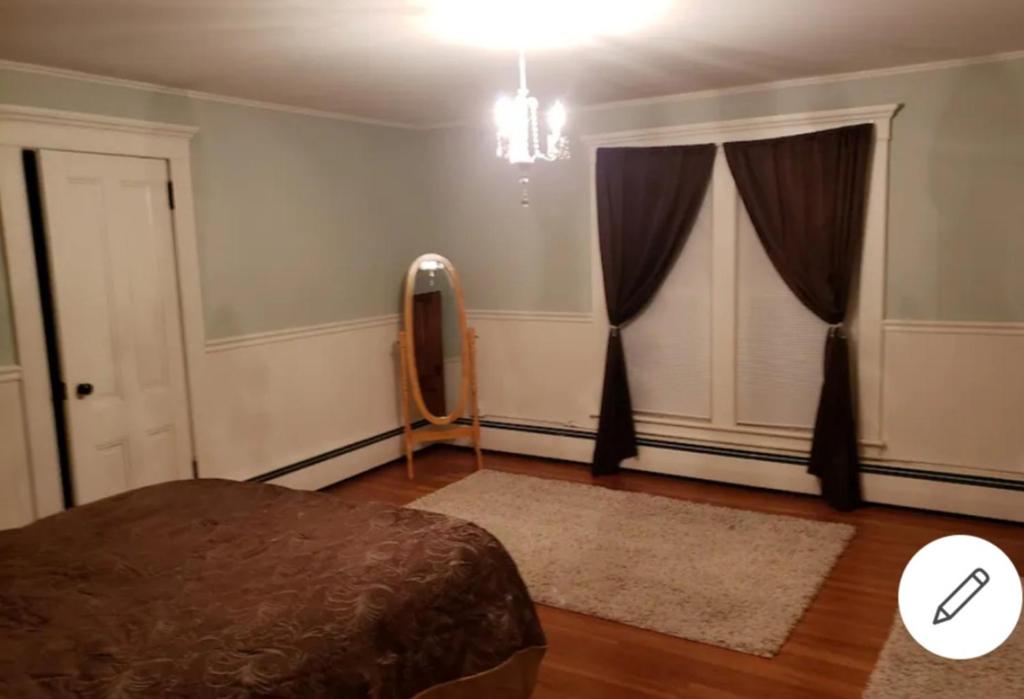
[[867, 310]]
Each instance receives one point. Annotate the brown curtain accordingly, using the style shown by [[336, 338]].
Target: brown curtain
[[805, 195], [647, 201]]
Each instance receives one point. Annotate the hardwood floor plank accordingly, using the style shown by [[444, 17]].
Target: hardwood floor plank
[[831, 651]]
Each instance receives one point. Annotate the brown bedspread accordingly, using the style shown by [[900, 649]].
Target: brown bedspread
[[216, 588]]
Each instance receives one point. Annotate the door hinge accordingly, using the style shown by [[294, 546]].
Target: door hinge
[[170, 194]]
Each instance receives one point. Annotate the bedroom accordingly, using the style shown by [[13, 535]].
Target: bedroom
[[634, 337]]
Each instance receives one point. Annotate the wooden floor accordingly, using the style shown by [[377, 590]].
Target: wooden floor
[[831, 651]]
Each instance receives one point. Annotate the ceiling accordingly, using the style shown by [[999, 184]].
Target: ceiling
[[374, 58]]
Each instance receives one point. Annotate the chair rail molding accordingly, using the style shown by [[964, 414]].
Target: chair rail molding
[[233, 342], [531, 316], [10, 374], [955, 327], [773, 126], [226, 344]]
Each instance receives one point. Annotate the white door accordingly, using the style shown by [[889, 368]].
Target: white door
[[108, 226]]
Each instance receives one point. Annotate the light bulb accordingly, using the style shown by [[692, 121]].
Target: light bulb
[[504, 115], [557, 118]]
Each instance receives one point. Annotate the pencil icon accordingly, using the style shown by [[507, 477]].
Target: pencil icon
[[959, 597]]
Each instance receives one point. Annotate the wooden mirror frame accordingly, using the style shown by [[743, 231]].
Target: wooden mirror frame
[[445, 427], [410, 333]]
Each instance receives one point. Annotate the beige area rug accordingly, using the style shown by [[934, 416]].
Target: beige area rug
[[728, 577], [905, 670]]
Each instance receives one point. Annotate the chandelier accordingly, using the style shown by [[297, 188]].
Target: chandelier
[[518, 131]]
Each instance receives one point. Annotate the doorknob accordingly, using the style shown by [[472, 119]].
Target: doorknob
[[83, 389]]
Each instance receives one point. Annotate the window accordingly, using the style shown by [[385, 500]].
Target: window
[[669, 343], [725, 352], [779, 342]]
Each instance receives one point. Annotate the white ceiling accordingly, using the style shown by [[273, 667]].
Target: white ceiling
[[375, 59]]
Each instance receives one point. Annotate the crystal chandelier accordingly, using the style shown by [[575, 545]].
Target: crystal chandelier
[[518, 132]]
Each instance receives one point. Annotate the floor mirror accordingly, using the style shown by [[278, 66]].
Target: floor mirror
[[437, 351]]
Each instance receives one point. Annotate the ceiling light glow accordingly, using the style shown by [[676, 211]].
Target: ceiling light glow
[[536, 24]]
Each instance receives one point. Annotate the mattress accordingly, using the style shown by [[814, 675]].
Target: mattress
[[213, 588]]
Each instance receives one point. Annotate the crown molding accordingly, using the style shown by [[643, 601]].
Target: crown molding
[[54, 117], [750, 128], [66, 73], [809, 81], [438, 126]]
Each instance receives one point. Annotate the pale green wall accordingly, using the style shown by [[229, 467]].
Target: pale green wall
[[956, 244], [301, 220], [305, 220], [510, 257]]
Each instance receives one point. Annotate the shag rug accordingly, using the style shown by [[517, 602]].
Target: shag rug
[[905, 670], [728, 577]]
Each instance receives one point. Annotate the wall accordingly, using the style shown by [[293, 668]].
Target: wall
[[954, 213], [510, 257], [302, 220], [952, 376], [305, 227], [16, 492], [281, 399]]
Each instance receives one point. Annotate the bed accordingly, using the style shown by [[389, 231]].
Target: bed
[[213, 588]]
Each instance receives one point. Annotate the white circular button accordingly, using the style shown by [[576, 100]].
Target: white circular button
[[960, 597]]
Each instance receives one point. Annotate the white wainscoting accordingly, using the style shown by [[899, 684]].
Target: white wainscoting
[[279, 398], [539, 366], [16, 502], [953, 405], [953, 396]]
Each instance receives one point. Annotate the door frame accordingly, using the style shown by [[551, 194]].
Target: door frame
[[34, 128]]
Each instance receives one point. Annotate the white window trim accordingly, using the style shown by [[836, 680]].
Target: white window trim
[[29, 127], [867, 309]]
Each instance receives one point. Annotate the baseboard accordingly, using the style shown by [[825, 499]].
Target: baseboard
[[922, 488], [979, 496], [338, 464]]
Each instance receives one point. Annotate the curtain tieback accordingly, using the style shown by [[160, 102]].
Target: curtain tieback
[[614, 330], [836, 329]]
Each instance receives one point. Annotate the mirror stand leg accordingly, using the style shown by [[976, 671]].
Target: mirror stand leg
[[476, 444], [410, 471], [473, 400]]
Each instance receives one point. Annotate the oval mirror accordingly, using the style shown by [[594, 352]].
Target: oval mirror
[[435, 323]]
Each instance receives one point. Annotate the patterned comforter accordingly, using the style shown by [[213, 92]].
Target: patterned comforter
[[215, 588]]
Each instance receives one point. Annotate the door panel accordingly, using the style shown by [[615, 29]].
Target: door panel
[[93, 293], [149, 261], [108, 225]]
